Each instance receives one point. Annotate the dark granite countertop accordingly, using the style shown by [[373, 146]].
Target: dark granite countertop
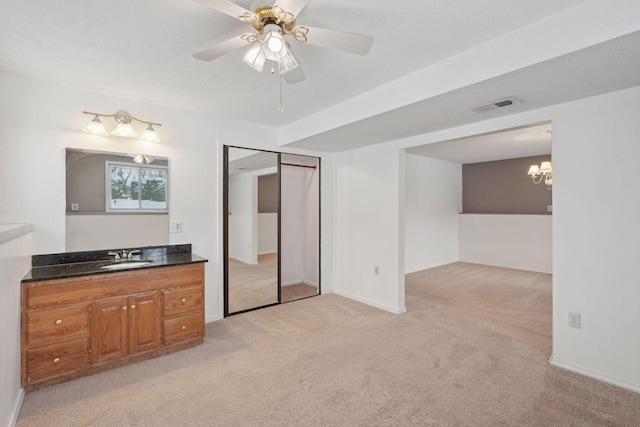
[[74, 264]]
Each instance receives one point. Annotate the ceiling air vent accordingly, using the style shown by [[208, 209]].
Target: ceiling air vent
[[495, 104]]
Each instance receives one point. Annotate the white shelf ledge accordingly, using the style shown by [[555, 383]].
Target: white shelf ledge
[[9, 232]]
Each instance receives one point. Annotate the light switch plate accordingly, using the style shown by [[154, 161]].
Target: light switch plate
[[175, 227]]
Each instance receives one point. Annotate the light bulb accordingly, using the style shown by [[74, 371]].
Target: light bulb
[[275, 43], [274, 47]]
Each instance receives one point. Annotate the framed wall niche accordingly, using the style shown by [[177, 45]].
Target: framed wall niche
[[91, 224]]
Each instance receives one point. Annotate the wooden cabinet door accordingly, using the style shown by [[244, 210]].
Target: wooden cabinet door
[[145, 322], [109, 327]]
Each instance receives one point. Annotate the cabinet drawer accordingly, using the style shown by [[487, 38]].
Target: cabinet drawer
[[178, 301], [55, 359], [184, 327], [58, 323]]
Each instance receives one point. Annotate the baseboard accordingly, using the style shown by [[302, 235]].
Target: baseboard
[[213, 318], [394, 310], [297, 282], [595, 375], [16, 408]]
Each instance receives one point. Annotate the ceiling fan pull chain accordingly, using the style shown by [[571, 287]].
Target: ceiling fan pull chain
[[281, 107]]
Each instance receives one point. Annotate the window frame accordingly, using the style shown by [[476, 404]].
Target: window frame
[[111, 163]]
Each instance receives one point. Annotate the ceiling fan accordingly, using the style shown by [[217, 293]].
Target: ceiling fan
[[272, 24]]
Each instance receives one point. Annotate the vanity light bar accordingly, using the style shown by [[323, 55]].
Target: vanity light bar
[[124, 128]]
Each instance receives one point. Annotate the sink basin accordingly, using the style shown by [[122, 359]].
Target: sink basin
[[125, 265]]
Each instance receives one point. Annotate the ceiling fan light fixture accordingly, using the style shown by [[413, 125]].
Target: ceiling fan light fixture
[[287, 63], [275, 42], [255, 57], [274, 46]]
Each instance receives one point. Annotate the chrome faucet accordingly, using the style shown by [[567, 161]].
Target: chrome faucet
[[129, 255], [124, 255]]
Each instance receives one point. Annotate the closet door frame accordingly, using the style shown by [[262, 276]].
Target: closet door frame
[[225, 208]]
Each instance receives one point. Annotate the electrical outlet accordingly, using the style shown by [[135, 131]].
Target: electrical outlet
[[74, 206], [575, 320], [175, 227], [549, 208], [376, 270]]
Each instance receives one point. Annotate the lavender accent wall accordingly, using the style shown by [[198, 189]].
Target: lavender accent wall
[[503, 187]]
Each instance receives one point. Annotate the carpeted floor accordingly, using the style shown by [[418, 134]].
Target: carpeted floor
[[472, 350]]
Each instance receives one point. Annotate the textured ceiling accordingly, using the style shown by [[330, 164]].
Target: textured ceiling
[[141, 49]]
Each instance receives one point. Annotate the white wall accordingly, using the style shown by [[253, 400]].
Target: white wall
[[95, 232], [368, 212], [596, 236], [312, 227], [299, 235], [292, 213], [15, 261], [433, 199], [243, 217], [513, 241]]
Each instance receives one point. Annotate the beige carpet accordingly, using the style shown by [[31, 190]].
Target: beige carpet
[[471, 351]]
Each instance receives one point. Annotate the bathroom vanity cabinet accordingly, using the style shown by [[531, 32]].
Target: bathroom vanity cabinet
[[76, 326]]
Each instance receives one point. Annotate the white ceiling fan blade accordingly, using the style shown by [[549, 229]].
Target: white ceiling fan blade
[[348, 42], [225, 6], [221, 49], [292, 6], [294, 76]]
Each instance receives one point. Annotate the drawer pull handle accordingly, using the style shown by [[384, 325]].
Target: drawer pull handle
[[184, 328], [59, 322], [56, 360], [133, 306], [124, 308], [183, 300]]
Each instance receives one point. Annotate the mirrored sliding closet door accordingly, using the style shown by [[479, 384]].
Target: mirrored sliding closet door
[[271, 229], [252, 199]]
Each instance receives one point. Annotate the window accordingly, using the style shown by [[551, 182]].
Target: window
[[136, 188]]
